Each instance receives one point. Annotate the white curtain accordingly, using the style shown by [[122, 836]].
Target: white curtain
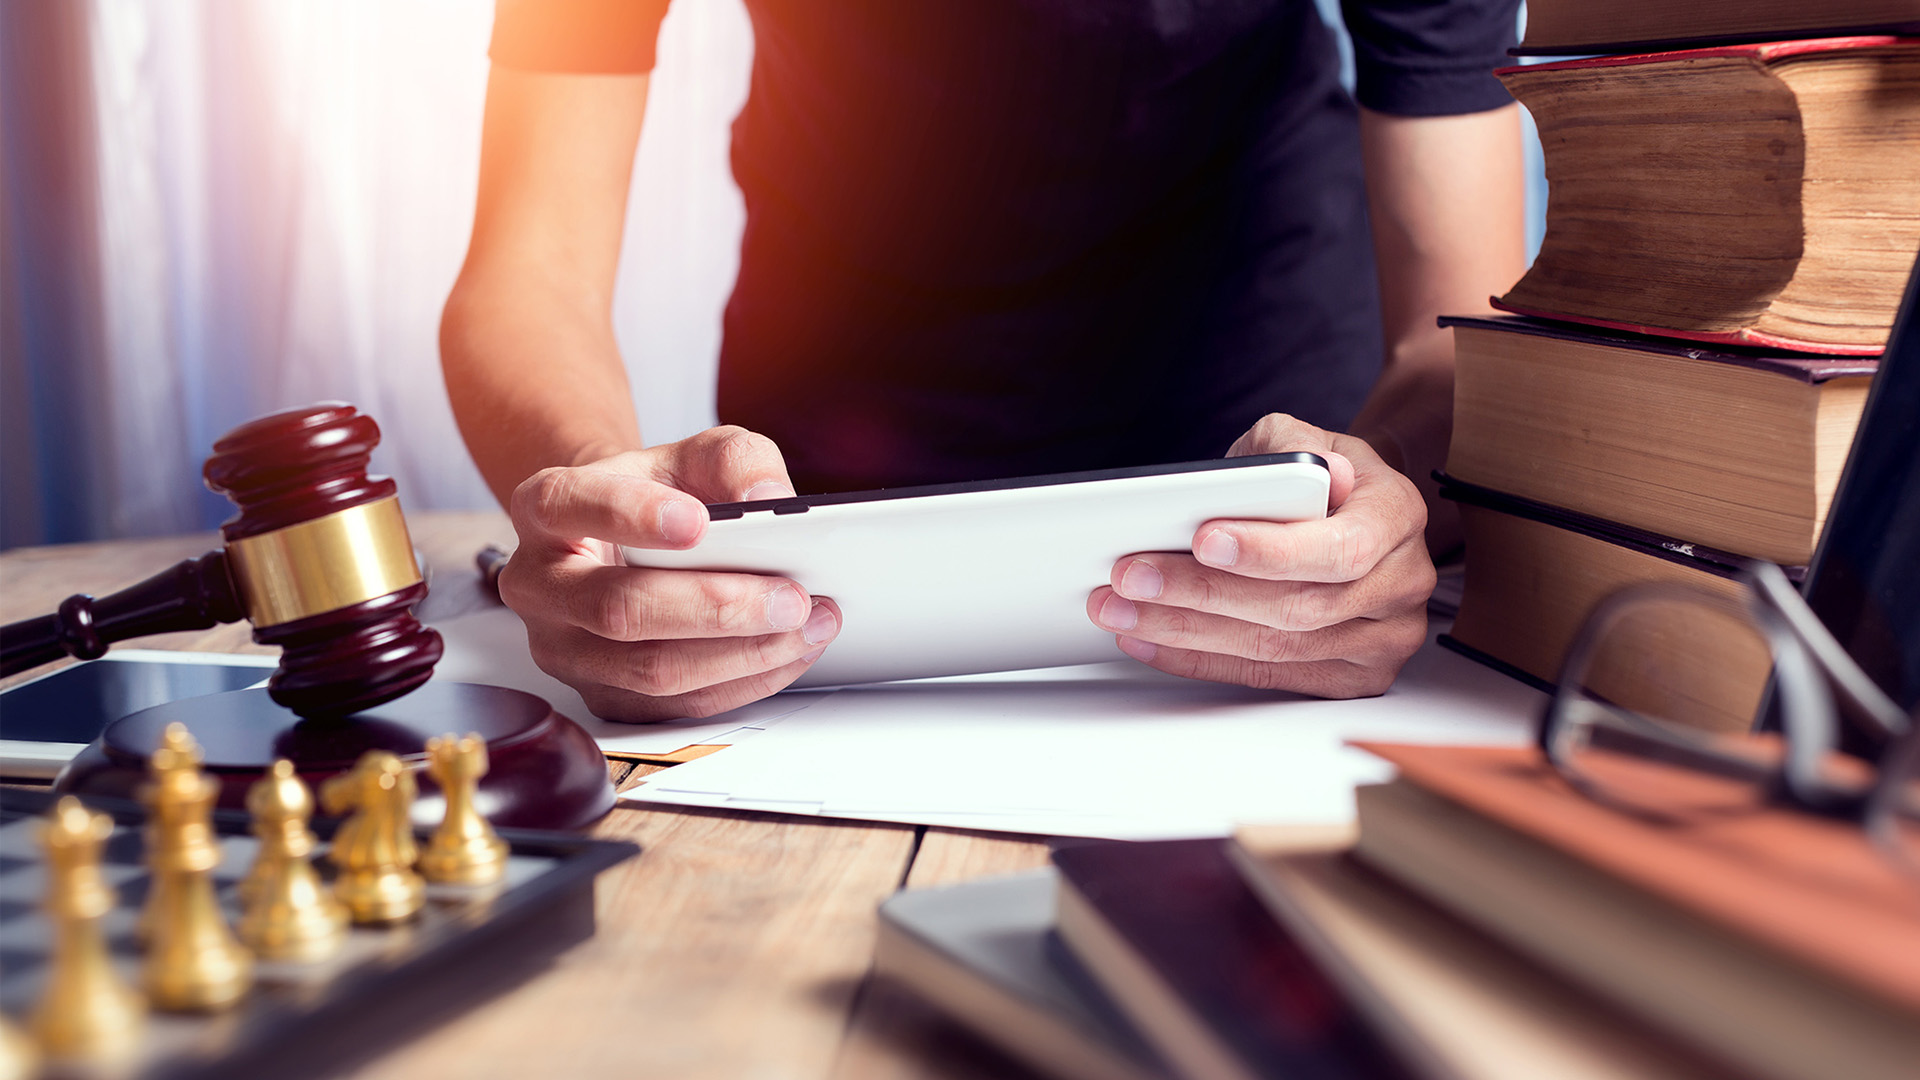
[[284, 194]]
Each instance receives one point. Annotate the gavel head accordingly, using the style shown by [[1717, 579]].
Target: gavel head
[[321, 561]]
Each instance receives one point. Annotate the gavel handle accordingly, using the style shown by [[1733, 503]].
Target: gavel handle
[[192, 595]]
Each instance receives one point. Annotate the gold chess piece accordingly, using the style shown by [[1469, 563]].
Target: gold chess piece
[[19, 1057], [374, 849], [288, 913], [86, 1013], [193, 962], [464, 850]]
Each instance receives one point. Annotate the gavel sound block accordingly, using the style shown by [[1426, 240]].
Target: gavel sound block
[[319, 561]]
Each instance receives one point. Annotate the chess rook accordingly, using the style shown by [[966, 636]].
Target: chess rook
[[318, 560], [464, 850], [374, 849], [86, 1014], [193, 962], [288, 912]]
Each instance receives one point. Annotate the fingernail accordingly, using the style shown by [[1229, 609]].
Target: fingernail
[[1140, 650], [679, 521], [786, 609], [1118, 613], [767, 489], [1141, 581], [1218, 548], [814, 655], [821, 625]]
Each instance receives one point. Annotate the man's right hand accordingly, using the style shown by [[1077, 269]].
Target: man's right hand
[[647, 644]]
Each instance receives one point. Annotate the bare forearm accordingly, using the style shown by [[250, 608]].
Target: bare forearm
[[535, 380], [1446, 197], [526, 342]]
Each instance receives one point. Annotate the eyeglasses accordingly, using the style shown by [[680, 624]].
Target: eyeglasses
[[1641, 750]]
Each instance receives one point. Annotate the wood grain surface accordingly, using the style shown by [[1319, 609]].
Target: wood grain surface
[[736, 945]]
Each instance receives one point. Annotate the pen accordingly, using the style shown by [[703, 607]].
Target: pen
[[490, 560]]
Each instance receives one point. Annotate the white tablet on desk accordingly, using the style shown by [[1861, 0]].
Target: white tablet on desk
[[986, 576]]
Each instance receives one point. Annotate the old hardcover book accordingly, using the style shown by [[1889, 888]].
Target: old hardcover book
[[1755, 194], [1181, 945], [981, 951], [1781, 942], [1535, 571], [1738, 449], [1467, 999], [1565, 27]]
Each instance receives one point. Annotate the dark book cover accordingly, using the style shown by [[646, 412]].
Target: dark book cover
[[1699, 556], [1186, 913], [1801, 366]]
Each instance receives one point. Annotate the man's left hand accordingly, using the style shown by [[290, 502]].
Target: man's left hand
[[1331, 608]]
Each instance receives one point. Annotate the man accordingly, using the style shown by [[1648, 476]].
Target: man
[[993, 238]]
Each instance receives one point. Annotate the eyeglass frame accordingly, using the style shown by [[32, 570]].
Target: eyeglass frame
[[1810, 668]]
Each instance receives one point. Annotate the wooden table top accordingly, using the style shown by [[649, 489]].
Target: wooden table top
[[737, 945]]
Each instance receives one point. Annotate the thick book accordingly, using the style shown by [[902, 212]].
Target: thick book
[[1738, 449], [1535, 571], [1485, 1010], [1183, 947], [982, 952], [1756, 194], [1779, 941], [1569, 27]]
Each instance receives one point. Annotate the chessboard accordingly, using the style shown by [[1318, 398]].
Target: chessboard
[[385, 984]]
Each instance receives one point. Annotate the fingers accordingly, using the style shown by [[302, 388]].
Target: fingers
[[653, 679], [1278, 433], [613, 703], [1401, 581], [604, 501], [670, 668], [650, 498], [728, 464], [1319, 678], [1387, 639], [623, 603]]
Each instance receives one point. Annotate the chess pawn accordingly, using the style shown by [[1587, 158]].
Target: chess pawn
[[374, 849], [86, 1013], [193, 962], [287, 913], [464, 850]]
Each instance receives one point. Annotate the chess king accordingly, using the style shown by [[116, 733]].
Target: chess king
[[319, 561]]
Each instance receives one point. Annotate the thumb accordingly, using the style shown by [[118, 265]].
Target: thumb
[[1278, 433]]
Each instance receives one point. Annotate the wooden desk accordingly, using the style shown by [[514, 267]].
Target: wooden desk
[[737, 945]]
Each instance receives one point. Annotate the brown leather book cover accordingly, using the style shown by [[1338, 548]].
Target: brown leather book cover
[[1811, 887]]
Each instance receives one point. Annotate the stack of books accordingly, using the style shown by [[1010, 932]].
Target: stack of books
[[1485, 922], [1770, 941], [1729, 230]]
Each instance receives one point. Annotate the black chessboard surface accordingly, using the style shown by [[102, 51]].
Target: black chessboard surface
[[385, 985]]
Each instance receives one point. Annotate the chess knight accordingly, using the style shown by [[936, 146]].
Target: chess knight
[[374, 849]]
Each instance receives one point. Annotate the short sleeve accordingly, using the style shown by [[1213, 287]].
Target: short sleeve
[[1430, 57], [604, 37]]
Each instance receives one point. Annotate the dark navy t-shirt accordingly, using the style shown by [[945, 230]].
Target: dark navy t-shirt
[[999, 237]]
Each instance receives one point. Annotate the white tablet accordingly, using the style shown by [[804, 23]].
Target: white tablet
[[986, 576]]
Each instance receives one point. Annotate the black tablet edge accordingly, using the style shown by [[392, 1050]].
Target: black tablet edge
[[800, 504]]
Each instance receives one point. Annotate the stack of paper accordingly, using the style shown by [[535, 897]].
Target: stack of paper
[[1111, 750]]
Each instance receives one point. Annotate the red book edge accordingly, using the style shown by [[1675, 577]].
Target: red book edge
[[1765, 52], [1749, 338]]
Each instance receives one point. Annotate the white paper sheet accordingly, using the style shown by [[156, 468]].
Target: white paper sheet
[[1111, 750], [491, 647]]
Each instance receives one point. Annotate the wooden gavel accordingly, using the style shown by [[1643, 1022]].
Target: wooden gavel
[[318, 560]]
